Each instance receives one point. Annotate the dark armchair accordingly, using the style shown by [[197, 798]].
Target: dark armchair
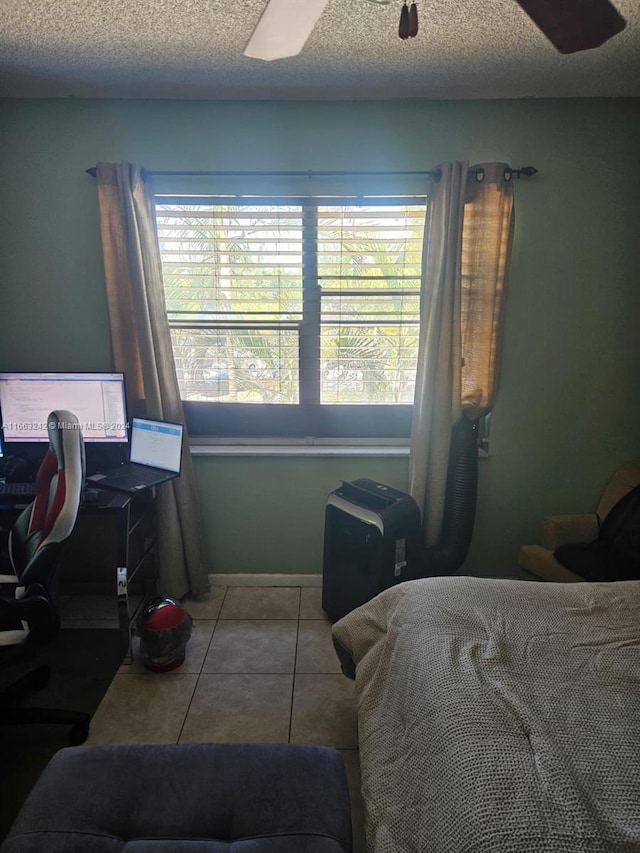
[[28, 613], [557, 530]]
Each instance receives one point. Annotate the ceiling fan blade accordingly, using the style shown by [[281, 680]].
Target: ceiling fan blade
[[283, 29], [574, 25]]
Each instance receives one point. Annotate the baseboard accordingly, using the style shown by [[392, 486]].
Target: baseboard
[[264, 580]]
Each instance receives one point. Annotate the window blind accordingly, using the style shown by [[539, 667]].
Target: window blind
[[271, 301]]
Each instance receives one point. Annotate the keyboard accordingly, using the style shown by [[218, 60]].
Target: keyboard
[[132, 477], [17, 490], [133, 474]]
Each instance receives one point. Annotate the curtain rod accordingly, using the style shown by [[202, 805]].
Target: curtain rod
[[527, 171]]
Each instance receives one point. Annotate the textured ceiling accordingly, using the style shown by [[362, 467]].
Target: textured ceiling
[[194, 49]]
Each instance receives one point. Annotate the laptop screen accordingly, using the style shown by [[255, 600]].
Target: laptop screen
[[156, 443]]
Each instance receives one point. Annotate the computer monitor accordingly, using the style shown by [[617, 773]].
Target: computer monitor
[[96, 399]]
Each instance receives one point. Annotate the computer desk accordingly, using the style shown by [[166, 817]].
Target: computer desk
[[110, 552]]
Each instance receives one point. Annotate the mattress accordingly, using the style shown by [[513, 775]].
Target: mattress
[[498, 716]]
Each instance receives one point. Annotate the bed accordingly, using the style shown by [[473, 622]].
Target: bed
[[498, 716]]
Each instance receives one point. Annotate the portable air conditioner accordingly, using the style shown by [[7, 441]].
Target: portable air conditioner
[[372, 540]]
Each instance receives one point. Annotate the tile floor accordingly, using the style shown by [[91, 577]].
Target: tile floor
[[260, 667]]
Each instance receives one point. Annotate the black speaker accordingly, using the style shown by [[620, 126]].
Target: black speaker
[[372, 540], [17, 469]]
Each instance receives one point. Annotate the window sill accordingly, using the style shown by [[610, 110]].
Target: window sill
[[310, 447]]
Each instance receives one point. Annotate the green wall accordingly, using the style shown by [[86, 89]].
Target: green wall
[[568, 409]]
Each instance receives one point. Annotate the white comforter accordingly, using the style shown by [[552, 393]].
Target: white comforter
[[499, 715]]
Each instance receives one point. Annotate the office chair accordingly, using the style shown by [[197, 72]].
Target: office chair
[[28, 613]]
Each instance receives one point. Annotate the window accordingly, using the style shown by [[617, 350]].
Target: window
[[293, 317]]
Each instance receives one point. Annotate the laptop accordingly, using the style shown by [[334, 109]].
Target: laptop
[[155, 456]]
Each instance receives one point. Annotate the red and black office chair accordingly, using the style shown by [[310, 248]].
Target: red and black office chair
[[28, 613]]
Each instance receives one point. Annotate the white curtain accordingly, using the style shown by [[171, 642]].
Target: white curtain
[[467, 246]]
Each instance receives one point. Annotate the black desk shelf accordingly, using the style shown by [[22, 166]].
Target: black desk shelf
[[110, 552]]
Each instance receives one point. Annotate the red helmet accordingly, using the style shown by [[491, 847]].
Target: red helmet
[[164, 628]]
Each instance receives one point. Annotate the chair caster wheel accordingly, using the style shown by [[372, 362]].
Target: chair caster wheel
[[78, 734]]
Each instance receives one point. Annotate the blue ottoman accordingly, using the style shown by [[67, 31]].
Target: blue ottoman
[[187, 798]]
